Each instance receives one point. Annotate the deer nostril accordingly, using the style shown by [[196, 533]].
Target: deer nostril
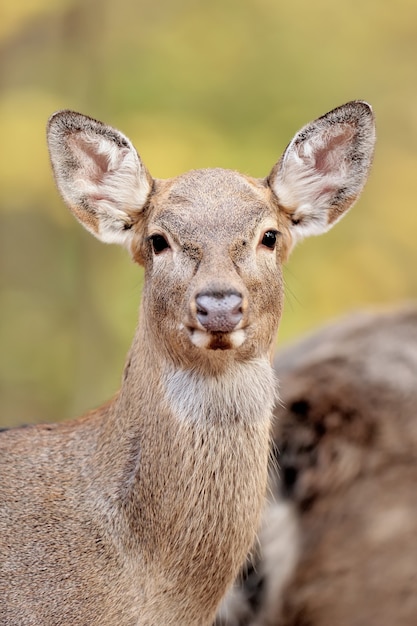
[[219, 311]]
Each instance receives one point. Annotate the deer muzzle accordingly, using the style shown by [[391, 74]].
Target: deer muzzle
[[219, 311]]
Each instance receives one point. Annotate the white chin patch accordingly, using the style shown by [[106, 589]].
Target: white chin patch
[[200, 338], [237, 337], [203, 339]]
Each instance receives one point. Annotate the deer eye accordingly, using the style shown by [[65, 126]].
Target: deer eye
[[269, 239], [159, 243]]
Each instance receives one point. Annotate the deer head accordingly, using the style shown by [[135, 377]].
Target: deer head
[[212, 241]]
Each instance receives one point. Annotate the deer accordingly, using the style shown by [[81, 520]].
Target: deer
[[337, 544], [142, 511]]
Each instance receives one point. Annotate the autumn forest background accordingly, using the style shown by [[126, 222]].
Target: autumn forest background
[[193, 84]]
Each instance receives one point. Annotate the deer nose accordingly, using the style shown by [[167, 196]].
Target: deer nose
[[219, 311]]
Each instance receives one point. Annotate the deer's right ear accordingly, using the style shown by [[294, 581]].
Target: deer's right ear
[[99, 175]]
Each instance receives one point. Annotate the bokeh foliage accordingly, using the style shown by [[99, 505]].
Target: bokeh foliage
[[194, 84]]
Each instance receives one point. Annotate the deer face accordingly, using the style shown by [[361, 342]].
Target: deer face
[[212, 246]]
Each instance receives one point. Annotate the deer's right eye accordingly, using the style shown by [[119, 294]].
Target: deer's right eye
[[159, 243]]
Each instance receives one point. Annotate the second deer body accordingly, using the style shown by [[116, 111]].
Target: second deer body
[[142, 512], [338, 539]]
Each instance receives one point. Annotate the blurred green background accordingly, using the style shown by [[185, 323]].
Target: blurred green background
[[193, 84]]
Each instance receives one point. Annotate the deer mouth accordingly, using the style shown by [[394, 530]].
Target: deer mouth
[[217, 340]]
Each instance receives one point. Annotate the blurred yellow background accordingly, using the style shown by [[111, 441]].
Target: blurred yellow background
[[193, 84]]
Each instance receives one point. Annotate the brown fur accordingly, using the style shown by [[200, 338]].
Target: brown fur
[[142, 512], [346, 438]]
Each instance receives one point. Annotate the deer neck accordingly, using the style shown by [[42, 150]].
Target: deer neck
[[174, 414], [194, 447]]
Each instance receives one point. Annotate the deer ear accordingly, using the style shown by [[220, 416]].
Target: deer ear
[[99, 175], [324, 169]]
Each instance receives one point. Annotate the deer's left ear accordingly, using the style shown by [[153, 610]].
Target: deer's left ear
[[324, 169]]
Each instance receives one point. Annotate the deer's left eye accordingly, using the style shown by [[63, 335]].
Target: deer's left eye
[[269, 239]]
